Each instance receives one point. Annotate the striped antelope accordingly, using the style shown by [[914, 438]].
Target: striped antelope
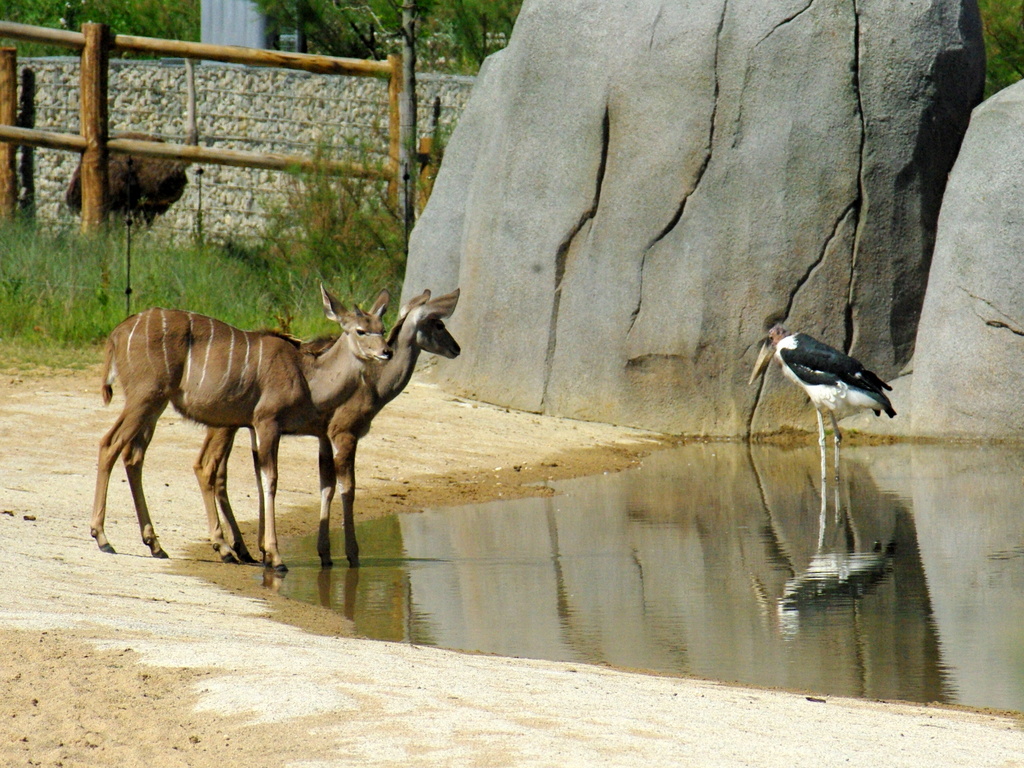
[[221, 376], [419, 327]]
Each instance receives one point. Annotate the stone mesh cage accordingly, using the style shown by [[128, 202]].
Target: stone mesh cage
[[254, 109]]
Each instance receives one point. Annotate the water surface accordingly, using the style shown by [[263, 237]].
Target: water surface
[[717, 560]]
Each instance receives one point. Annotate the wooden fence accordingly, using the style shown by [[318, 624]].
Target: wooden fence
[[95, 44]]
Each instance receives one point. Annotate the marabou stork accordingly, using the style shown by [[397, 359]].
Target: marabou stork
[[833, 381]]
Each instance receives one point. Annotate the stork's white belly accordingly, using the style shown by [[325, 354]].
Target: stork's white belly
[[838, 398]]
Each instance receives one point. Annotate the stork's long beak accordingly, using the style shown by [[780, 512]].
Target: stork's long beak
[[763, 358]]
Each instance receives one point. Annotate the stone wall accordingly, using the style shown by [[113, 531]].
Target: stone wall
[[243, 108]]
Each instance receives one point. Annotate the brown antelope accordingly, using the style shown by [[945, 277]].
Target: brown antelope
[[419, 327], [221, 376]]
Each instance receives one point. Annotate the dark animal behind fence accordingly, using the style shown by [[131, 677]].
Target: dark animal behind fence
[[145, 185]]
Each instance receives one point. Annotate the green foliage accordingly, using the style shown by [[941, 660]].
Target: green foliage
[[454, 35], [42, 13], [339, 229], [366, 30], [148, 18], [1003, 22], [474, 29], [61, 291]]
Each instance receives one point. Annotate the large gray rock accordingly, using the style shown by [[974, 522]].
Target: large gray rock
[[638, 188], [969, 364]]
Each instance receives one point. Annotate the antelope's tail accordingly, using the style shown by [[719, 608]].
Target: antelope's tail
[[109, 372]]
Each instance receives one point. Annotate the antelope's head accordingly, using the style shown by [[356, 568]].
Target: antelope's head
[[427, 315], [362, 331]]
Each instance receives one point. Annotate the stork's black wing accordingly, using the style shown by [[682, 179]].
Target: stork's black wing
[[818, 363], [805, 373]]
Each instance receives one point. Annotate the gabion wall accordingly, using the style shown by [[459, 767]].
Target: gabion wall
[[246, 108]]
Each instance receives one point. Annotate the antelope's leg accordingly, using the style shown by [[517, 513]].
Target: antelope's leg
[[212, 457], [128, 424], [261, 498], [345, 467], [238, 547], [268, 440], [205, 469], [134, 456], [110, 448], [328, 481]]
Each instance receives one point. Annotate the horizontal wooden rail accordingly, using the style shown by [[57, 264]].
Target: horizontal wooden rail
[[231, 54], [267, 160], [29, 33], [257, 57], [32, 137]]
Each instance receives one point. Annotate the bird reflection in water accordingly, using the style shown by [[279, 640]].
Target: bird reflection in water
[[837, 574], [837, 384]]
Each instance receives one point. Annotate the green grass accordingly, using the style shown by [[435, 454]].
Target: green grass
[[62, 293], [20, 356]]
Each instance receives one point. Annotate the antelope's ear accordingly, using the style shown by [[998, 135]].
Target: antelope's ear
[[411, 304], [443, 306], [380, 306], [332, 307]]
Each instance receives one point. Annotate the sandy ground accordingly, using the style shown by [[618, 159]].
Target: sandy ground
[[127, 661]]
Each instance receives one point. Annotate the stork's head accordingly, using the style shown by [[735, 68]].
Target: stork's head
[[775, 335]]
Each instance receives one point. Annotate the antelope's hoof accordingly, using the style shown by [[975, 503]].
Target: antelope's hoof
[[353, 562], [107, 548], [161, 555], [326, 562], [242, 553], [226, 553], [281, 568]]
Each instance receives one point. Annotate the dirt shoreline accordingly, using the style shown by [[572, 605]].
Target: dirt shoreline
[[128, 660]]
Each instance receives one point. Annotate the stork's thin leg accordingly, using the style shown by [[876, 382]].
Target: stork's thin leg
[[822, 518], [824, 475], [821, 445], [838, 438], [839, 505]]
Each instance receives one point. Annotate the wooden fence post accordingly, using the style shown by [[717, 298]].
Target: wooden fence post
[[94, 174], [394, 126], [8, 116], [27, 166], [407, 152]]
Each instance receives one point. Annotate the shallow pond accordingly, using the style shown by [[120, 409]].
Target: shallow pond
[[717, 560]]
